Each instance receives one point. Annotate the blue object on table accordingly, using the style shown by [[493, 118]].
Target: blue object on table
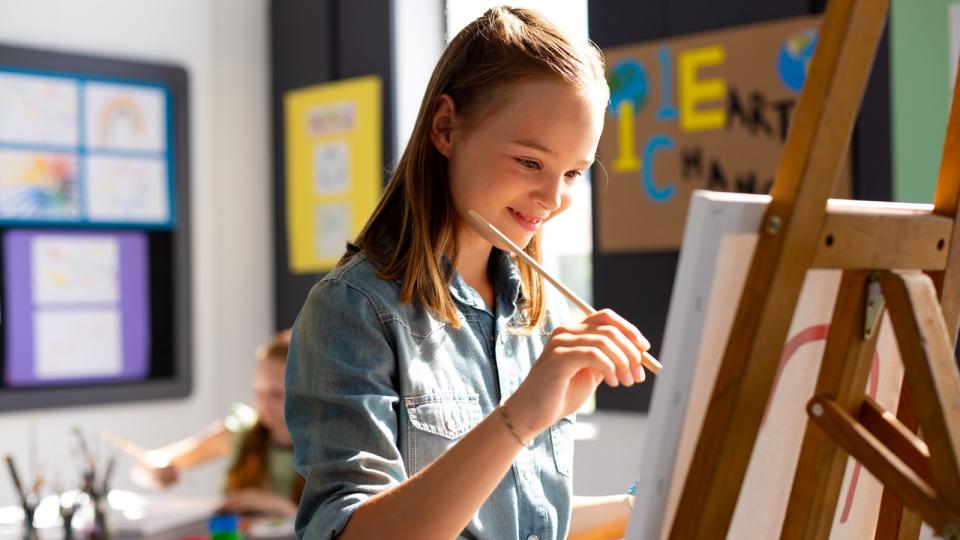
[[224, 523]]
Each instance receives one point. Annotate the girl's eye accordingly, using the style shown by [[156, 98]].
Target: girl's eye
[[529, 164], [573, 175]]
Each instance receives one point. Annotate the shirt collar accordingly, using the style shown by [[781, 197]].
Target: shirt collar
[[506, 282]]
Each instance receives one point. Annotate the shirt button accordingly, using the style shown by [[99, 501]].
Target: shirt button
[[533, 537], [451, 424]]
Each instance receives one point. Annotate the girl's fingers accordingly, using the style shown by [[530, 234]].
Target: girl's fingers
[[612, 342], [591, 357], [630, 352], [606, 347], [609, 316], [630, 331]]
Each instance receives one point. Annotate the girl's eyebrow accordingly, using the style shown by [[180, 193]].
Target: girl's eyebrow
[[529, 143]]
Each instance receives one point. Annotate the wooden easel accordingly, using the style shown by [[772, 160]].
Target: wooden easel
[[799, 233]]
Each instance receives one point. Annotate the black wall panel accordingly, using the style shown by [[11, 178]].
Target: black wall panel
[[312, 42]]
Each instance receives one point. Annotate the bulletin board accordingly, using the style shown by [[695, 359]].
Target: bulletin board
[[94, 232], [705, 111]]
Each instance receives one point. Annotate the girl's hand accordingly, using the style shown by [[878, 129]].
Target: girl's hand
[[604, 347], [156, 472], [258, 501]]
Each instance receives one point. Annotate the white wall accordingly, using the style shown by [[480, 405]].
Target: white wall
[[417, 45], [223, 44]]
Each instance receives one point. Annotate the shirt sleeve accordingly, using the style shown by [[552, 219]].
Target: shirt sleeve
[[341, 406]]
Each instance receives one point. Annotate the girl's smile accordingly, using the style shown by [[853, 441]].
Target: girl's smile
[[527, 221]]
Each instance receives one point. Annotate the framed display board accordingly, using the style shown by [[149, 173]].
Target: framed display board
[[94, 230]]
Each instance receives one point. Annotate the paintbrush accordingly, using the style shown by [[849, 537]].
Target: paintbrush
[[493, 235], [16, 481]]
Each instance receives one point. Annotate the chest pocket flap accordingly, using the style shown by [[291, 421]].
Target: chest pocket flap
[[447, 415]]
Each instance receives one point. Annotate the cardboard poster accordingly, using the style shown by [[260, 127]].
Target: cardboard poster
[[334, 170], [708, 111]]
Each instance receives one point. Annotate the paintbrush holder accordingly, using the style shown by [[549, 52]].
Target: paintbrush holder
[[29, 532], [66, 515], [100, 530]]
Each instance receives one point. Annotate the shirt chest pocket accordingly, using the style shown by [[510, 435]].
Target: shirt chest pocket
[[436, 421]]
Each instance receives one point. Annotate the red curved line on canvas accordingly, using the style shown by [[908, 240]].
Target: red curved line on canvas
[[811, 334]]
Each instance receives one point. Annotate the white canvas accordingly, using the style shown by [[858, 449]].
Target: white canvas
[[719, 239]]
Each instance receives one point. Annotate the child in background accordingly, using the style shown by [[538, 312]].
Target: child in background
[[261, 478], [431, 386]]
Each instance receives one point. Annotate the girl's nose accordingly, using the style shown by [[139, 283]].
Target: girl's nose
[[550, 194]]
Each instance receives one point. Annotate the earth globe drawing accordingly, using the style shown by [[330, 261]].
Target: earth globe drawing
[[794, 58], [628, 82]]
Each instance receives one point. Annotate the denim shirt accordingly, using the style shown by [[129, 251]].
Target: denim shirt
[[377, 389]]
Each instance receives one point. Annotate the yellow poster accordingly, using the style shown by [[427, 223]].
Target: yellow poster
[[333, 168]]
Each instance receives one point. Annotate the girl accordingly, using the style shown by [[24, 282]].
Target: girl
[[261, 478], [430, 389]]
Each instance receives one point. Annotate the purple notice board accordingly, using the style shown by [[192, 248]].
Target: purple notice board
[[76, 307]]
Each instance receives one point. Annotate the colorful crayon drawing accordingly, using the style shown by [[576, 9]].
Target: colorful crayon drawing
[[78, 343], [38, 186], [125, 117], [75, 269], [38, 110], [120, 189]]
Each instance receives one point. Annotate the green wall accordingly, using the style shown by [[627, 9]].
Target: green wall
[[920, 94]]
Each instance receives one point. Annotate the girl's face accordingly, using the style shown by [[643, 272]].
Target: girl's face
[[515, 167], [268, 397]]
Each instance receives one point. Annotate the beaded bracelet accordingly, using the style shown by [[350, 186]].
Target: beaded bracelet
[[506, 420]]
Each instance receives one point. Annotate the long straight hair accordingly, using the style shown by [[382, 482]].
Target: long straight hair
[[250, 467], [415, 223]]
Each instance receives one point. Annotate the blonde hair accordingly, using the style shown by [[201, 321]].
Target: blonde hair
[[250, 468], [277, 348], [414, 225]]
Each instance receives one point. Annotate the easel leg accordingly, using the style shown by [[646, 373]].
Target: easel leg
[[930, 373], [843, 377]]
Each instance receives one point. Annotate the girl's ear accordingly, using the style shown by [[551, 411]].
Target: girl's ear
[[443, 123]]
